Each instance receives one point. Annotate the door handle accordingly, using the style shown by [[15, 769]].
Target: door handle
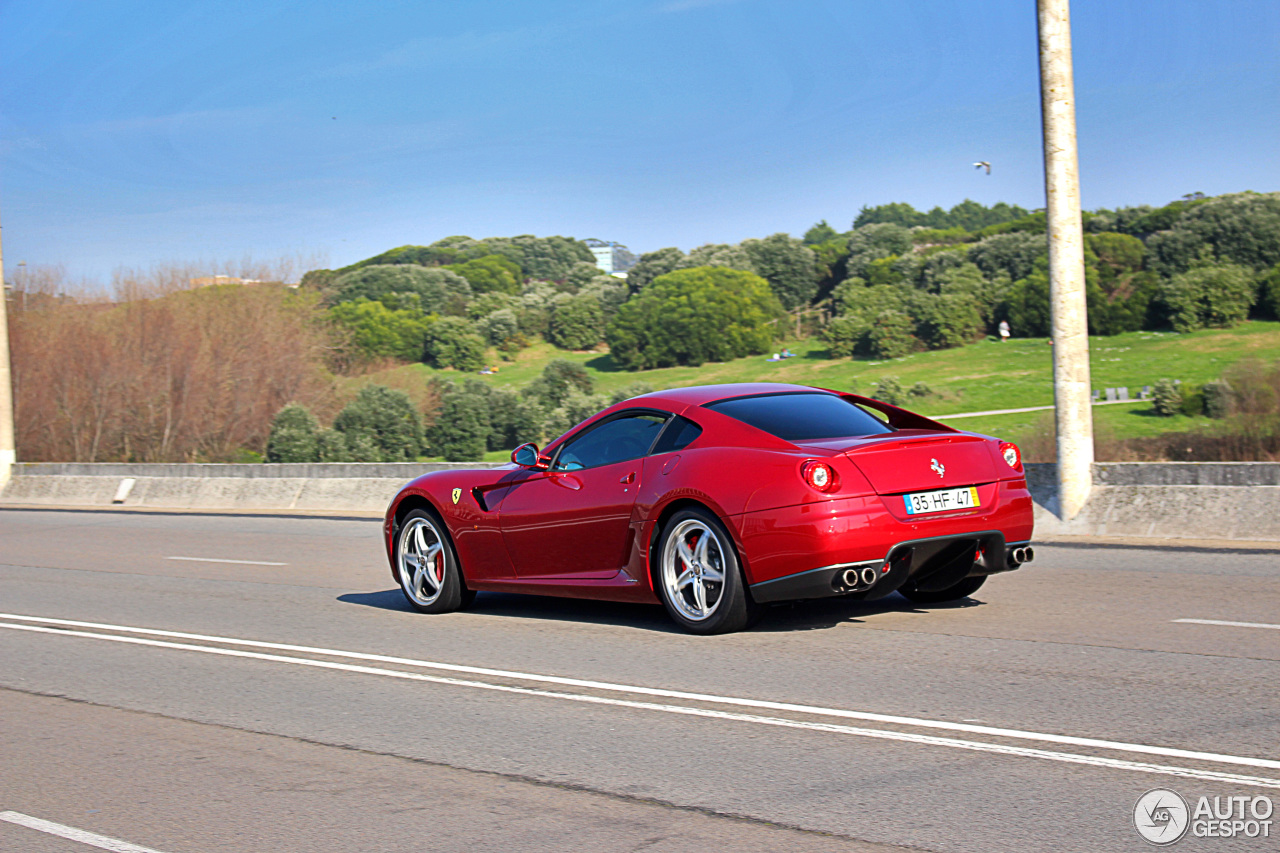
[[629, 479]]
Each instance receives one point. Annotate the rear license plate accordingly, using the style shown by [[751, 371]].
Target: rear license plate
[[920, 503]]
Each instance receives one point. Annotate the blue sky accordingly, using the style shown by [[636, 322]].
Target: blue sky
[[134, 133]]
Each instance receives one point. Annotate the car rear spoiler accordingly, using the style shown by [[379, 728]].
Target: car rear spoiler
[[898, 418]]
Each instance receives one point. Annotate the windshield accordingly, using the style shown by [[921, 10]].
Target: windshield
[[802, 416]]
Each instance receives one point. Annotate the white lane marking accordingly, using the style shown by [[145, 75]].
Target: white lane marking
[[760, 704], [237, 562], [1228, 624], [93, 839], [904, 737]]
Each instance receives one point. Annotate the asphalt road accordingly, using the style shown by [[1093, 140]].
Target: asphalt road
[[287, 700]]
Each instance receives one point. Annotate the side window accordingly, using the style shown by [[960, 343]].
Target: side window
[[616, 441], [678, 435]]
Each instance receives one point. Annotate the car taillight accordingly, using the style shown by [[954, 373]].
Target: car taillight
[[820, 475], [1011, 455]]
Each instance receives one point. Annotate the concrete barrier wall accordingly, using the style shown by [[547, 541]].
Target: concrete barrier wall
[[1231, 501], [1235, 501], [336, 487]]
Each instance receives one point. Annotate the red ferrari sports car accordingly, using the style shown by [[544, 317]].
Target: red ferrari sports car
[[716, 500]]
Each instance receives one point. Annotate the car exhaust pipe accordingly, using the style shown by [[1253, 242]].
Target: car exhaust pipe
[[1018, 556], [858, 580]]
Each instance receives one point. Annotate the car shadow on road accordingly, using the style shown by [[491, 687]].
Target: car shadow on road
[[822, 613], [646, 617], [799, 616]]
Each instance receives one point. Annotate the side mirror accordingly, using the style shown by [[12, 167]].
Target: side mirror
[[526, 456]]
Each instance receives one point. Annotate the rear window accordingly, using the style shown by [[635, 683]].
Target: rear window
[[802, 416]]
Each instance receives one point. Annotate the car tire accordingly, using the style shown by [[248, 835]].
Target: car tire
[[955, 592], [427, 565], [699, 577]]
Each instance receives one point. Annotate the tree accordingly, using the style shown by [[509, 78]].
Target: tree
[[820, 233], [382, 423], [490, 274], [651, 265], [558, 378], [1167, 398], [1241, 229], [1269, 296], [378, 332], [453, 342], [433, 290], [293, 435], [461, 430], [1013, 254], [946, 320], [719, 255], [1217, 295], [1028, 308], [693, 316], [890, 335], [547, 258], [788, 265], [499, 327], [872, 242], [578, 323]]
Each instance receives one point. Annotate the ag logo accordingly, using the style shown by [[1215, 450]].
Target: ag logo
[[937, 467], [457, 493], [1161, 816]]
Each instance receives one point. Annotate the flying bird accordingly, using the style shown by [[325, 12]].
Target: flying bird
[[982, 163]]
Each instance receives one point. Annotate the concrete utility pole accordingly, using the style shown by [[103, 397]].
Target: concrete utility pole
[[8, 454], [1070, 325]]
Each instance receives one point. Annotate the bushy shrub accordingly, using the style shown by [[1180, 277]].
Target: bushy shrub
[[843, 336], [889, 390], [651, 265], [788, 265], [693, 316], [1028, 307], [500, 326], [461, 429], [293, 435], [1219, 401], [558, 378], [331, 446], [381, 425], [1269, 294], [1215, 295], [577, 323], [379, 332], [453, 342], [490, 274], [1167, 398], [434, 290], [920, 389], [946, 320], [890, 336]]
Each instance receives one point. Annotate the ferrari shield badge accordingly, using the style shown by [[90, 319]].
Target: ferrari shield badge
[[457, 493]]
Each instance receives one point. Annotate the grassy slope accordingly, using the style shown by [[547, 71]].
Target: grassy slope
[[979, 377]]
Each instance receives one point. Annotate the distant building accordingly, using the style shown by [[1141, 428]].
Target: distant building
[[209, 280], [613, 258]]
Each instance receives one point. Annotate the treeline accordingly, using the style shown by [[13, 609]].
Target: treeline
[[449, 303], [183, 375], [467, 418], [899, 280], [1191, 264]]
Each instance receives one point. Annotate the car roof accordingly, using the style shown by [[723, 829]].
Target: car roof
[[700, 395]]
